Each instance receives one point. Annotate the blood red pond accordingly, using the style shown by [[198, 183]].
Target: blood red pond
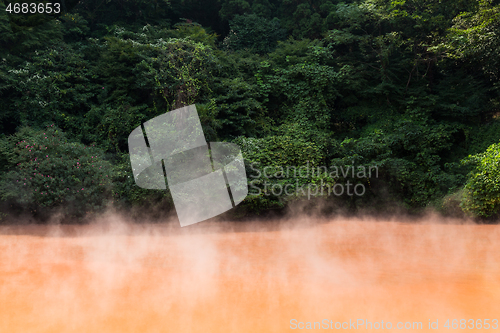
[[112, 276]]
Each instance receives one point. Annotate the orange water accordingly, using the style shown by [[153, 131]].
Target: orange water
[[227, 277]]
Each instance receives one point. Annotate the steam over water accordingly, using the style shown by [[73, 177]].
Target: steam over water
[[113, 276]]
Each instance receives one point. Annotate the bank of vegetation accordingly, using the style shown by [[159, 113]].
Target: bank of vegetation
[[409, 87]]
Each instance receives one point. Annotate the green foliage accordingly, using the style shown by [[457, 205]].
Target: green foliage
[[279, 151], [44, 169], [474, 38], [230, 8], [240, 108], [127, 194], [75, 27], [238, 97], [58, 86], [110, 126], [276, 160], [193, 31], [91, 89], [408, 87], [100, 14], [254, 33], [178, 71], [209, 122], [488, 135], [411, 154], [24, 32], [306, 19], [482, 190]]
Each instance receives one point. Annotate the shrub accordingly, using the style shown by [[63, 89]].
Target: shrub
[[45, 170], [130, 196], [277, 161]]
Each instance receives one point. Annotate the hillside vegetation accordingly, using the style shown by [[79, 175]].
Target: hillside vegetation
[[406, 89]]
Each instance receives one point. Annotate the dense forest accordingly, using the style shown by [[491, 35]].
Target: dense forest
[[407, 89]]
